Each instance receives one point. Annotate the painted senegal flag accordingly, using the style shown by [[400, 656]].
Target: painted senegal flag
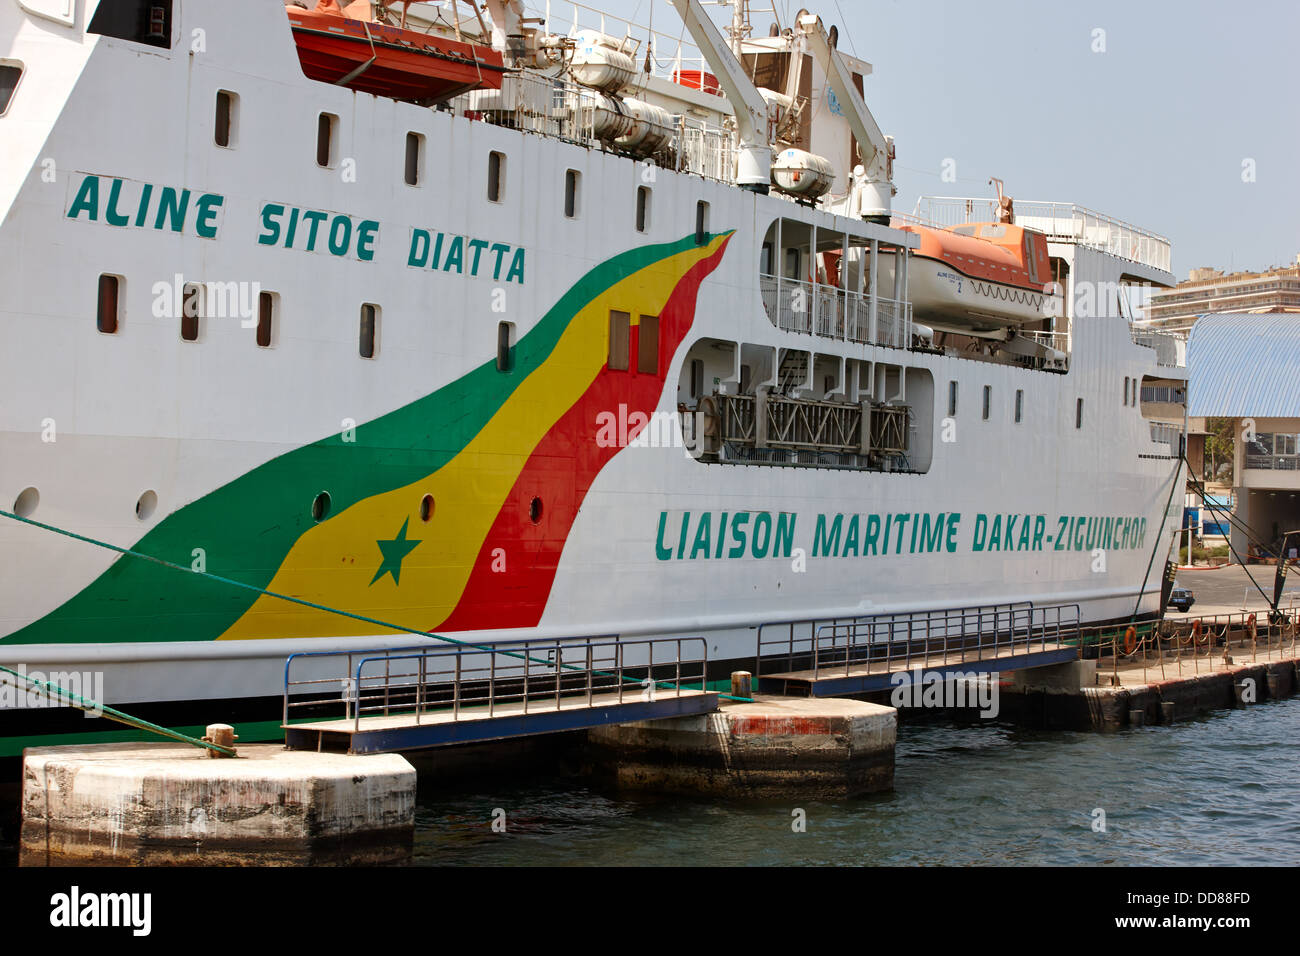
[[497, 462]]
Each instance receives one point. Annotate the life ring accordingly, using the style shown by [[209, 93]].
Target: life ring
[[1130, 640], [1251, 628], [1196, 632]]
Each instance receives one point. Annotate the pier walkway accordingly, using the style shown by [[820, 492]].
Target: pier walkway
[[415, 698], [828, 658]]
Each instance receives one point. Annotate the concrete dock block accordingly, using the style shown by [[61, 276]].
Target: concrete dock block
[[168, 804], [776, 747]]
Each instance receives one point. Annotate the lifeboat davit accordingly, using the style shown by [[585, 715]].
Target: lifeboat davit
[[343, 45], [981, 277]]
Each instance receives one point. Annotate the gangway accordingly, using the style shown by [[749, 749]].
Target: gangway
[[415, 698], [828, 658]]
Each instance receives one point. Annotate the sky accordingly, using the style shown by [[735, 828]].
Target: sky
[[1181, 117]]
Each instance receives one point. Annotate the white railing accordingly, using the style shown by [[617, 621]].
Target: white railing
[[1170, 348], [558, 107], [1163, 433], [794, 305], [1060, 222]]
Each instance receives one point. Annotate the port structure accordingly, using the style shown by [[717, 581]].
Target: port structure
[[436, 695], [833, 657]]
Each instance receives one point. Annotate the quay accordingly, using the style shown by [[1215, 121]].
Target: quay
[[642, 714]]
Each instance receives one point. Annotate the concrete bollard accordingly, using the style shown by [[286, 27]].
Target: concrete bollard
[[1167, 711], [223, 735], [1136, 718], [742, 684]]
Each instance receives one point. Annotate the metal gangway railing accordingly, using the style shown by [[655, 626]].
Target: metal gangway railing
[[900, 641], [1163, 648], [483, 680]]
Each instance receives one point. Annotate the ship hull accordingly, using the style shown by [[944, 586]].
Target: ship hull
[[178, 542]]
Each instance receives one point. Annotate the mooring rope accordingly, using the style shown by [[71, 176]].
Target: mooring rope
[[76, 700], [427, 635]]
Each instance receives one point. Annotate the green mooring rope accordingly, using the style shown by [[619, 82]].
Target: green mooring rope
[[54, 691], [426, 635]]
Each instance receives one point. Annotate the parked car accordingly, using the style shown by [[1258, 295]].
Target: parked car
[[1181, 598]]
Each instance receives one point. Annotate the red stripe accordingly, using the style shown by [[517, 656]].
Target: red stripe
[[560, 471]]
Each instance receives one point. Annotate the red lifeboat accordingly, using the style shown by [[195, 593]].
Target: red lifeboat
[[344, 46]]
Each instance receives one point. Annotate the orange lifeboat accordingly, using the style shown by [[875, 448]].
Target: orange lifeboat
[[345, 46], [981, 276]]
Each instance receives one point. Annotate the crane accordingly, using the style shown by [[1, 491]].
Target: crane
[[875, 149], [754, 164]]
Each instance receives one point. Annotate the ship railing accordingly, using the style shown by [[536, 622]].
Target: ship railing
[[557, 107], [1201, 644], [795, 305], [1060, 341], [1165, 433], [668, 52], [473, 681], [1170, 347], [1060, 222], [886, 642]]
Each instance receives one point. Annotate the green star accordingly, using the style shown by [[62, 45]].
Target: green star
[[394, 551]]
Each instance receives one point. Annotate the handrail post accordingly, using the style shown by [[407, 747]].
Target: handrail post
[[455, 689]]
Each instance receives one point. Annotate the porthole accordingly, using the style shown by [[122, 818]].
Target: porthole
[[426, 508], [535, 510], [26, 502], [320, 507], [145, 507]]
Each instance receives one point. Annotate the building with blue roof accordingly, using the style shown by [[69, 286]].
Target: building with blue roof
[[1246, 367]]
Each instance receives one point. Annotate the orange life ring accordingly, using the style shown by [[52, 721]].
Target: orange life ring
[[1196, 631], [1130, 640], [1250, 627]]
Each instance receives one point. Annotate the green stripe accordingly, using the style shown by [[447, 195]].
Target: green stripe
[[247, 527]]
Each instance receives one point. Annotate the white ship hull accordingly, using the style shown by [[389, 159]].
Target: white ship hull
[[235, 440]]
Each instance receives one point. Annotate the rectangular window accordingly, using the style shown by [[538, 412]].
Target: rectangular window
[[496, 176], [765, 259], [224, 128], [792, 263], [10, 74], [414, 158], [571, 194], [326, 129], [701, 222], [952, 399], [1078, 413], [642, 208], [647, 345], [369, 330], [505, 346], [697, 378], [267, 303], [988, 400], [1020, 405], [619, 324], [191, 311], [109, 311], [1126, 381]]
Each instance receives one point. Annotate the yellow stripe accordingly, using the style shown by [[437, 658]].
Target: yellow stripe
[[334, 562]]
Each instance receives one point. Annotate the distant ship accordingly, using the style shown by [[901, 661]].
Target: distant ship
[[473, 323]]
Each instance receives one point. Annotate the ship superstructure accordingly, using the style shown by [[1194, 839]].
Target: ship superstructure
[[625, 338]]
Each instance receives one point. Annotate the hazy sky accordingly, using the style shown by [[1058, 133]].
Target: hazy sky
[[1153, 130]]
